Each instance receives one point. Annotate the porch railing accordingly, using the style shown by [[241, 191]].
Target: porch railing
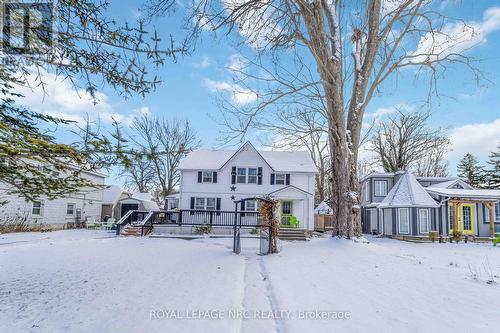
[[211, 217]]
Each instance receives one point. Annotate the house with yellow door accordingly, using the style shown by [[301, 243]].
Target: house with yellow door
[[400, 204]]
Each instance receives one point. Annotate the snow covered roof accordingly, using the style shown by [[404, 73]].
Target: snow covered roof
[[376, 174], [322, 208], [466, 193], [285, 161], [451, 184], [111, 194], [408, 193]]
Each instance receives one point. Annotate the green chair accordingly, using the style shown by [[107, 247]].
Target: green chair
[[90, 223], [294, 223], [496, 239], [108, 225]]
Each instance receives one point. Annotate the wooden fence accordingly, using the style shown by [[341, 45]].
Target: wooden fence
[[323, 222]]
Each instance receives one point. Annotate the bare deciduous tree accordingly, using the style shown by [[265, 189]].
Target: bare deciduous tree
[[163, 144], [384, 38], [406, 142]]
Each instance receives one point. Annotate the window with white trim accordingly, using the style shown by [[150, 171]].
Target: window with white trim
[[207, 177], [241, 175], [404, 220], [250, 205], [70, 209], [210, 203], [279, 179], [37, 208], [199, 203], [380, 188], [423, 220], [252, 176]]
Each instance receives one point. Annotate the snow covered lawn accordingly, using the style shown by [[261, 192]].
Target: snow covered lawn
[[91, 281]]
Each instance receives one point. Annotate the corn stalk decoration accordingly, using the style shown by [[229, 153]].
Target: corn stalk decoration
[[268, 211]]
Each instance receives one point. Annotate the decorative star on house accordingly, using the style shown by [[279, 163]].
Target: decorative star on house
[[233, 188], [233, 197]]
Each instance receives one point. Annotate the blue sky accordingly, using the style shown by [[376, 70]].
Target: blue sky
[[470, 112]]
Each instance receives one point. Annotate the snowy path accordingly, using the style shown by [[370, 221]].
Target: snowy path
[[91, 281]]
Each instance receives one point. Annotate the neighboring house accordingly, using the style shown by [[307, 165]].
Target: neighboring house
[[172, 201], [117, 202], [61, 212], [323, 208], [402, 204], [213, 179]]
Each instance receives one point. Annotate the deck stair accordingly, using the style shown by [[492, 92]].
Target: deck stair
[[292, 234], [130, 230]]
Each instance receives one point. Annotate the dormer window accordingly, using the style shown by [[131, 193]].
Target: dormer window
[[380, 188]]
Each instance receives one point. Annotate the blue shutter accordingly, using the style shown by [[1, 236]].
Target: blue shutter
[[272, 179], [214, 177], [259, 176], [287, 179], [199, 176], [233, 176]]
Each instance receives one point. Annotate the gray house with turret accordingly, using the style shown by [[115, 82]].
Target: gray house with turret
[[400, 204]]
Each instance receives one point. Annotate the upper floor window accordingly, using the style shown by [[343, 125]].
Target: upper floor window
[[367, 193], [380, 188], [37, 208], [280, 179], [70, 209], [207, 176], [241, 176], [252, 175]]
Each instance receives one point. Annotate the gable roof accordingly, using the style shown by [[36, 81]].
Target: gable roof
[[284, 161], [111, 194], [451, 184], [290, 187], [408, 192]]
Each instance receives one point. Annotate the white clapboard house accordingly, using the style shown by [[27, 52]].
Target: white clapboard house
[[212, 180], [68, 210]]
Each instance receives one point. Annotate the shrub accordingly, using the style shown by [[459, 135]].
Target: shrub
[[254, 231], [457, 235], [18, 223], [203, 229]]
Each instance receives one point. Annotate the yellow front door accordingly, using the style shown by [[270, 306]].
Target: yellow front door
[[466, 219]]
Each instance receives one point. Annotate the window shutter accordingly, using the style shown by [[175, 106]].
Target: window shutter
[[243, 208], [272, 179], [233, 176], [259, 176], [192, 204], [217, 206], [214, 177], [199, 176], [287, 179]]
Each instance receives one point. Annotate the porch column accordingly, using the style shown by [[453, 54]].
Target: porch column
[[491, 208], [455, 216]]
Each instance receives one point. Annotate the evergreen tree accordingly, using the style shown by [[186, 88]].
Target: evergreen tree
[[493, 174], [469, 168]]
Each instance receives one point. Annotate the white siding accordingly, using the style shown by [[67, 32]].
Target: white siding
[[249, 158], [88, 200]]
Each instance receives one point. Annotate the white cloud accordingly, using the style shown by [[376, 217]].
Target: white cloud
[[203, 63], [239, 95], [236, 63], [62, 100], [478, 139], [456, 37], [383, 111]]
